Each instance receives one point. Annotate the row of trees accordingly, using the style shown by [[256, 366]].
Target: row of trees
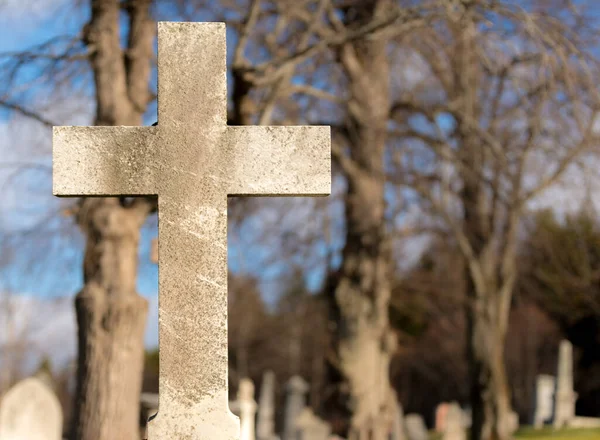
[[464, 110], [427, 314]]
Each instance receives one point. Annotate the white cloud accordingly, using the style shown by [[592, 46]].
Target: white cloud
[[31, 10]]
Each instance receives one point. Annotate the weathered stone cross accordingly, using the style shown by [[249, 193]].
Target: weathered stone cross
[[192, 160]]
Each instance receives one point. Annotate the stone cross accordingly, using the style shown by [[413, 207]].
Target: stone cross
[[30, 411], [192, 161], [564, 396], [265, 427]]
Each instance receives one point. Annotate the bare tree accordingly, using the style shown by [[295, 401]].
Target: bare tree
[[505, 104], [334, 56], [110, 314]]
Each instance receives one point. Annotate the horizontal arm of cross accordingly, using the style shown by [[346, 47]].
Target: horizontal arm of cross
[[280, 161], [104, 161]]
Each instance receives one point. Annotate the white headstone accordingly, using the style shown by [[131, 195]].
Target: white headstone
[[30, 411], [247, 407], [311, 427], [513, 422], [265, 428], [544, 400], [398, 431], [415, 427], [564, 396], [294, 405], [454, 428], [467, 417], [441, 413]]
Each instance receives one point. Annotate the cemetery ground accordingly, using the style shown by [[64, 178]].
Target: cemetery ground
[[561, 434], [548, 433]]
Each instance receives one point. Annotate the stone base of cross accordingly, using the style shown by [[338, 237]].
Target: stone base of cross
[[192, 161]]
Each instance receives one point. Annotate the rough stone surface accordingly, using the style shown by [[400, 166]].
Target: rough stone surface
[[192, 160], [564, 396], [265, 428], [415, 427], [30, 411]]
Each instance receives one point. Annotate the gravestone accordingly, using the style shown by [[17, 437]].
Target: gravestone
[[295, 402], [415, 427], [30, 411], [265, 429], [454, 428], [441, 412], [513, 422], [192, 161], [311, 427], [467, 414], [148, 408], [564, 395], [247, 406], [544, 400], [398, 423]]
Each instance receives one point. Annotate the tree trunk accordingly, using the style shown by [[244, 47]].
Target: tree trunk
[[490, 397], [361, 289], [111, 316], [488, 304]]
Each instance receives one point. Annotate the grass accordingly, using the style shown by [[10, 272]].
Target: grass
[[563, 434], [547, 433]]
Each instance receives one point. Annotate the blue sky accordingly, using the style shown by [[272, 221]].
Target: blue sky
[[47, 264], [27, 195]]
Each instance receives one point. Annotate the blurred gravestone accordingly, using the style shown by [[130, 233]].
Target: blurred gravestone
[[247, 408], [415, 427], [398, 423], [30, 411], [294, 404], [454, 428], [192, 160], [265, 429], [441, 412], [513, 422], [467, 417], [544, 400], [148, 408], [311, 427], [564, 396]]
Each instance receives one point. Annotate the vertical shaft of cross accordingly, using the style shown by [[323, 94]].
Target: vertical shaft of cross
[[193, 317]]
